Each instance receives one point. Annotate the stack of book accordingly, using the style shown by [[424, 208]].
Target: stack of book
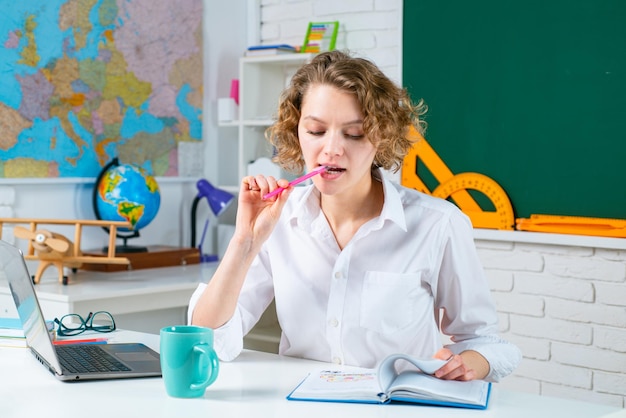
[[11, 333], [262, 50]]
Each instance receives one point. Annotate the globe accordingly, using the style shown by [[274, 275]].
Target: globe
[[126, 192]]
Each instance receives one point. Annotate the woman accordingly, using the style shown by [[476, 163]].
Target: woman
[[359, 267]]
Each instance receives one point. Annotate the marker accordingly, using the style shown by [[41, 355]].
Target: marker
[[83, 341], [296, 181]]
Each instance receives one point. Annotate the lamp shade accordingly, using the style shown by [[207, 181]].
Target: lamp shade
[[218, 199]]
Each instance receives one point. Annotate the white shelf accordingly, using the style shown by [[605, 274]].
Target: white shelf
[[261, 81], [229, 124], [569, 240], [282, 59], [258, 122]]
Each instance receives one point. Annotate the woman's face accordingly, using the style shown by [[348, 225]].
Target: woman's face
[[331, 134]]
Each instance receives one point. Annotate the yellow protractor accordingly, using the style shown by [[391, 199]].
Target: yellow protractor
[[501, 218]]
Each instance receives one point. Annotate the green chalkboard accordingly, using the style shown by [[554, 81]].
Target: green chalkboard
[[530, 93]]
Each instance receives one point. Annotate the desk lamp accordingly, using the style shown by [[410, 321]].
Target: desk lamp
[[219, 200]]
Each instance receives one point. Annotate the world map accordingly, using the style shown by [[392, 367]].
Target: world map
[[85, 81]]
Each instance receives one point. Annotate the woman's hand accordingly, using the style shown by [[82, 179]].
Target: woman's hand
[[256, 217], [469, 365]]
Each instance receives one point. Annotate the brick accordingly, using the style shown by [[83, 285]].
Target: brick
[[334, 7], [614, 383], [294, 29], [551, 329], [370, 21], [384, 58], [393, 72], [586, 312], [270, 31], [282, 12], [610, 338], [532, 348], [593, 268], [494, 245], [387, 38], [361, 40], [589, 357], [554, 249], [508, 260], [500, 280], [382, 5], [568, 392], [559, 287], [519, 304], [546, 371], [611, 294], [609, 254]]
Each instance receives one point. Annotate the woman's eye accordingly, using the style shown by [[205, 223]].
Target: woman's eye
[[315, 133], [354, 136]]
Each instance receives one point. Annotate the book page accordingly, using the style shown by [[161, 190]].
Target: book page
[[420, 386], [351, 384]]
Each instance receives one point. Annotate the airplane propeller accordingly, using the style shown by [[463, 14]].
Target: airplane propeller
[[43, 240]]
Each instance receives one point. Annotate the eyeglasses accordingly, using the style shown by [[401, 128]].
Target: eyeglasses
[[74, 324]]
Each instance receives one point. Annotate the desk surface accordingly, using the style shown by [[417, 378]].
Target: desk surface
[[87, 285], [254, 385], [121, 293]]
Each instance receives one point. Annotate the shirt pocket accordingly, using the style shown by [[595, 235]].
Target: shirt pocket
[[391, 302]]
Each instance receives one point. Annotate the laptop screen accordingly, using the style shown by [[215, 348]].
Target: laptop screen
[[13, 267]]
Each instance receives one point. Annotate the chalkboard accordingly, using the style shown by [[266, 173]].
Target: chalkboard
[[530, 93]]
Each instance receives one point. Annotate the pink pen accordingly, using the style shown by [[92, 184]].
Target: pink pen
[[297, 181], [81, 341]]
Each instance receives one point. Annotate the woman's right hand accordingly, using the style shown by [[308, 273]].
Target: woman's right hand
[[256, 217]]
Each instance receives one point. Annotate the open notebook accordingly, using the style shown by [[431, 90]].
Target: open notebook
[[70, 362]]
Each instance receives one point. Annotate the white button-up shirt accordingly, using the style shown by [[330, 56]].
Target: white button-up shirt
[[382, 294]]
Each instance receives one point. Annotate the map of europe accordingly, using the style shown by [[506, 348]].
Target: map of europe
[[84, 81]]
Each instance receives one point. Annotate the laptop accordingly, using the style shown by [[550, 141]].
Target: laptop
[[67, 362]]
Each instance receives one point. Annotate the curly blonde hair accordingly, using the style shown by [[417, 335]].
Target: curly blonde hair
[[387, 109]]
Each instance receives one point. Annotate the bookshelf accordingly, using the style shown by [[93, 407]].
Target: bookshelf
[[261, 81]]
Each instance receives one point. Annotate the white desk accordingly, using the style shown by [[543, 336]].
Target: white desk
[[254, 385], [141, 300], [144, 300]]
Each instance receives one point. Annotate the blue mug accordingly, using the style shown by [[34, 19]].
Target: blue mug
[[188, 361]]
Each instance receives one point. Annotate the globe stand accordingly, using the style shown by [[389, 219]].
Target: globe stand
[[125, 248]]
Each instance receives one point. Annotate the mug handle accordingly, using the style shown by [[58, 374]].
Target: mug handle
[[214, 365]]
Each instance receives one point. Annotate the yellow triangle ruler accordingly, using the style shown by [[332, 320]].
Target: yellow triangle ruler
[[457, 186], [578, 225]]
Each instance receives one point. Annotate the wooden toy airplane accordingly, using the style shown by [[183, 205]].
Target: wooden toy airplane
[[51, 248], [457, 186]]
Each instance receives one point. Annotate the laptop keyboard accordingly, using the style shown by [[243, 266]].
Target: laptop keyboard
[[88, 359]]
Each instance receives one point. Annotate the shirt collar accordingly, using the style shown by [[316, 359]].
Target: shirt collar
[[307, 208]]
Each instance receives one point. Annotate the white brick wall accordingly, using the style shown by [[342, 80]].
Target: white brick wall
[[564, 306], [370, 28]]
